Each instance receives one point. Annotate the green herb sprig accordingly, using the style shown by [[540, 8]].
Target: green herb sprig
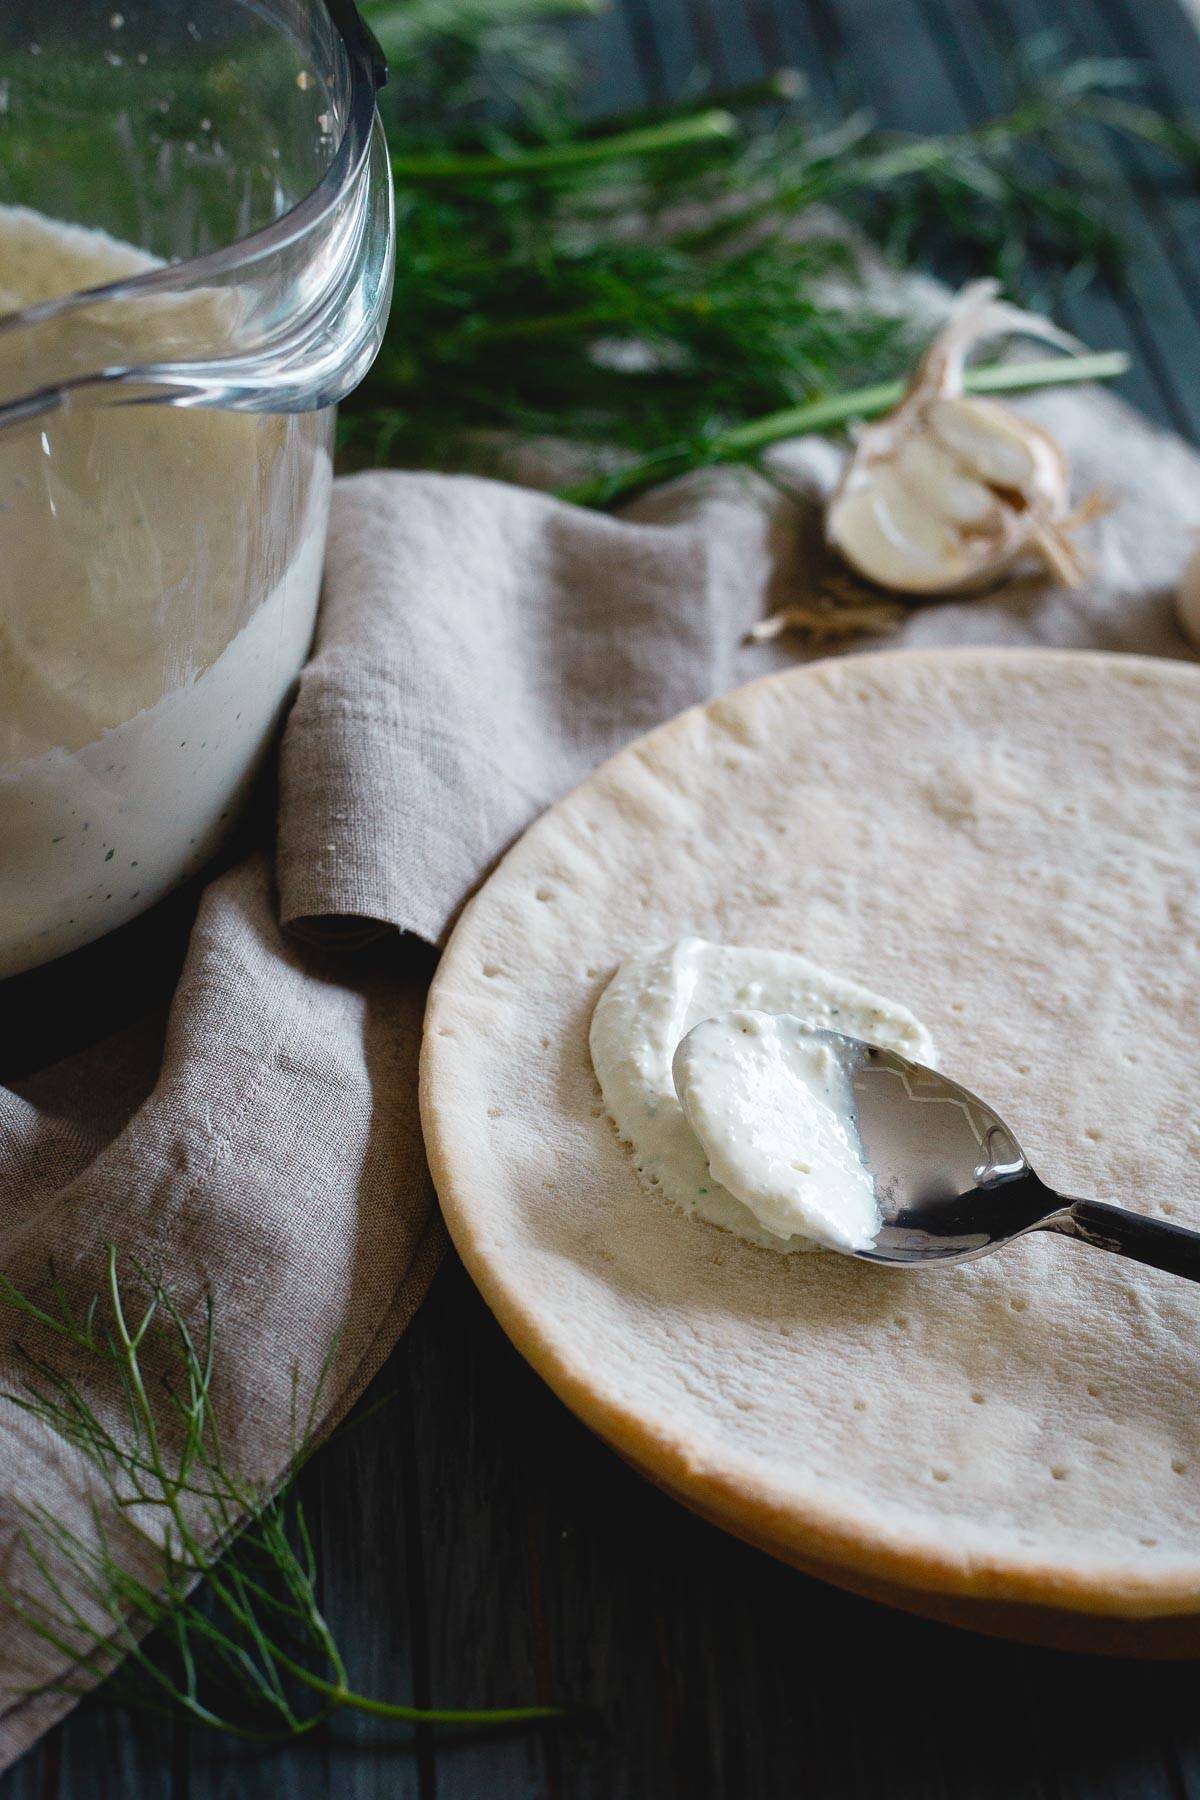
[[658, 289], [195, 1585]]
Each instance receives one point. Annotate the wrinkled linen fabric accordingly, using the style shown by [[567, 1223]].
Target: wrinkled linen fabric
[[480, 647]]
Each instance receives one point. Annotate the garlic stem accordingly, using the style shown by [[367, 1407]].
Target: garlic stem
[[870, 402], [738, 441], [551, 159]]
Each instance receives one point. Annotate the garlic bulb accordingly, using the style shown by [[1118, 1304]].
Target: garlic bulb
[[949, 490]]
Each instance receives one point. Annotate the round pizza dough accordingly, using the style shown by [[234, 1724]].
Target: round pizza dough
[[1008, 842]]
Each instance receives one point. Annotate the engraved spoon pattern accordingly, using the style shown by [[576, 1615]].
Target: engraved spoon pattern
[[954, 1184]]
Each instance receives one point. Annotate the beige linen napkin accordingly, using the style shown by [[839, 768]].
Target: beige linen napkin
[[480, 647]]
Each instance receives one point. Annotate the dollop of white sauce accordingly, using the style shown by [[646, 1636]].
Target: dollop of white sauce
[[773, 1107], [655, 999]]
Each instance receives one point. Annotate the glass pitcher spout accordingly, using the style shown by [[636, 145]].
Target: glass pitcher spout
[[284, 317]]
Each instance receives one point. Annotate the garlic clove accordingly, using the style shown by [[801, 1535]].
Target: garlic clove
[[948, 491], [996, 445], [889, 535], [939, 480], [982, 442]]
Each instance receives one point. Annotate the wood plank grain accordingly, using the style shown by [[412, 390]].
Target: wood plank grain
[[809, 39], [640, 15], [959, 68], [711, 1670], [1183, 1767], [357, 1507], [35, 1777], [728, 40], [105, 1750], [981, 42], [371, 1569], [1165, 36], [677, 53], [474, 1467], [1167, 55], [614, 78], [1151, 296]]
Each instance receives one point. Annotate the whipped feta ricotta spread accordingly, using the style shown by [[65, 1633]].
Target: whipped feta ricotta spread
[[772, 1104], [159, 572], [651, 1004]]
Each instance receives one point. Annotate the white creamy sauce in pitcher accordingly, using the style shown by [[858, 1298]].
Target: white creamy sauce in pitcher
[[756, 1100], [159, 572]]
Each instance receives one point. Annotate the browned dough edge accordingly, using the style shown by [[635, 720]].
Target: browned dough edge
[[802, 1532]]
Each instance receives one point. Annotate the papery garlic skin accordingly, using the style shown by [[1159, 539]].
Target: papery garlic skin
[[949, 491]]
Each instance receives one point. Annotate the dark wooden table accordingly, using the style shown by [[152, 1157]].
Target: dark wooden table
[[477, 1545]]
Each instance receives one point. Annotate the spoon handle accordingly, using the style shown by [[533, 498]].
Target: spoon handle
[[1126, 1233]]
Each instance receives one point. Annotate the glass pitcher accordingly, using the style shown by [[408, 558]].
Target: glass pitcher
[[196, 244]]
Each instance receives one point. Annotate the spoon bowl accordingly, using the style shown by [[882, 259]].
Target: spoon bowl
[[953, 1182]]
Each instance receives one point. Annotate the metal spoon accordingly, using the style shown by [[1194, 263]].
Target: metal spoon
[[954, 1184]]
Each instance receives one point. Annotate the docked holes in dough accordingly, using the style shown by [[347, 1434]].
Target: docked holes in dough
[[593, 1325]]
